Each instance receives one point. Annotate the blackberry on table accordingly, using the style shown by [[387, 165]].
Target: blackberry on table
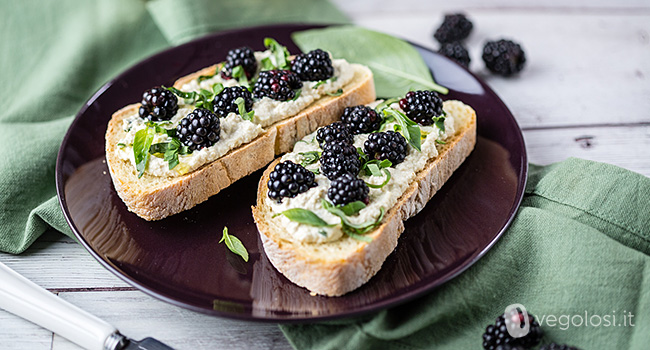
[[335, 132], [389, 145], [347, 189], [313, 66], [504, 57], [224, 102], [277, 84], [199, 129], [497, 334], [289, 179], [457, 52], [361, 119], [158, 104], [554, 346], [421, 106], [241, 56], [339, 158], [454, 27]]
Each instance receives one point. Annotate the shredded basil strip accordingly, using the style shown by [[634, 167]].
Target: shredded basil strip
[[321, 82], [279, 52], [240, 74], [383, 183], [304, 216], [309, 158], [241, 108], [409, 129], [440, 142], [349, 228], [297, 92], [353, 208], [205, 77], [201, 99], [338, 92], [386, 103], [170, 150], [234, 244], [374, 166]]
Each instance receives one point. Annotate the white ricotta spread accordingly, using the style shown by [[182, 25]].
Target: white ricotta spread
[[386, 197], [234, 130]]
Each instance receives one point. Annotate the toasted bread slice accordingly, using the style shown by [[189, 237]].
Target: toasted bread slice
[[335, 268], [154, 198]]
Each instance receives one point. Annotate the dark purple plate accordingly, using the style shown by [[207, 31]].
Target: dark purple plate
[[179, 260]]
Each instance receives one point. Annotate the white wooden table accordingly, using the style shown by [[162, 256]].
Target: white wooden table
[[585, 93]]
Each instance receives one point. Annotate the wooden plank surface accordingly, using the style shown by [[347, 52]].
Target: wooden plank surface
[[584, 93]]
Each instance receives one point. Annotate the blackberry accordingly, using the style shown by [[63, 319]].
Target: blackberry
[[497, 334], [199, 129], [389, 145], [504, 57], [313, 66], [277, 84], [421, 106], [361, 119], [335, 132], [158, 104], [339, 158], [347, 189], [457, 52], [554, 346], [289, 179], [453, 28], [224, 102], [242, 56]]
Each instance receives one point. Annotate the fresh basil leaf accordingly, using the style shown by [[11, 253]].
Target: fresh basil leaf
[[373, 167], [383, 183], [440, 142], [216, 89], [241, 108], [338, 92], [279, 53], [353, 208], [305, 216], [158, 148], [309, 158], [344, 220], [182, 94], [409, 129], [397, 66], [141, 144], [234, 244], [316, 171]]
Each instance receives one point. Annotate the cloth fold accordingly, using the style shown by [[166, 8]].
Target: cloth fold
[[577, 251]]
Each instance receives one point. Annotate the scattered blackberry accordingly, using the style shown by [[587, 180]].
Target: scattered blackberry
[[313, 66], [554, 346], [347, 189], [242, 56], [504, 57], [339, 158], [199, 129], [158, 104], [457, 52], [289, 179], [224, 102], [336, 131], [277, 84], [361, 119], [421, 106], [453, 28], [497, 334], [389, 145]]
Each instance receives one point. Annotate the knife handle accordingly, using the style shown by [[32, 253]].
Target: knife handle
[[24, 298]]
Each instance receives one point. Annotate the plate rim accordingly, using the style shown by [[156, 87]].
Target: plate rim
[[358, 311]]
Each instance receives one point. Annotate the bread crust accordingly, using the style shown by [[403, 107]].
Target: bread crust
[[355, 262], [154, 198]]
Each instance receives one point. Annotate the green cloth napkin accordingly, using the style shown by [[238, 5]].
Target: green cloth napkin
[[578, 250], [55, 54]]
